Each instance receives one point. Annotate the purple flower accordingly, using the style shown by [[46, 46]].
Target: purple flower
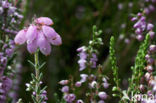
[[147, 56], [151, 33], [78, 84], [5, 4], [105, 85], [11, 10], [139, 14], [147, 76], [21, 37], [65, 89], [31, 34], [140, 37], [142, 26], [5, 86], [138, 31], [69, 98], [150, 60], [134, 19], [44, 95], [7, 83], [82, 64], [146, 10], [93, 84], [151, 8], [9, 52], [83, 56], [81, 49], [44, 21], [102, 95], [3, 61], [83, 77], [138, 24], [141, 87], [93, 60], [150, 26], [149, 68], [154, 1], [39, 36], [143, 18], [120, 6], [152, 48], [63, 82]]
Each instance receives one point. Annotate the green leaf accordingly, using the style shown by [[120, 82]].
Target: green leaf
[[34, 78], [34, 99], [41, 65], [125, 96], [41, 100], [43, 89], [114, 61], [31, 63], [40, 76]]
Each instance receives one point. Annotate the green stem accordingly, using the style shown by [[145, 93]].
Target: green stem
[[37, 72]]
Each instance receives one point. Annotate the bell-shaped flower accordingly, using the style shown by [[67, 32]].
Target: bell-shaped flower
[[39, 35]]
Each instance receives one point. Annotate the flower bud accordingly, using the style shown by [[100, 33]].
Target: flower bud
[[138, 31], [27, 84], [78, 84], [140, 37], [150, 26], [147, 56], [151, 33], [154, 88], [152, 48], [141, 87], [150, 61], [139, 14], [105, 85], [114, 88], [93, 84], [102, 95], [147, 76], [63, 82], [134, 19], [149, 68]]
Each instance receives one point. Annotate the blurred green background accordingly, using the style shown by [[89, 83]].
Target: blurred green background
[[73, 20]]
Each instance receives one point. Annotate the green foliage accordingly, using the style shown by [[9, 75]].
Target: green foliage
[[76, 32], [57, 99], [137, 69], [114, 67], [34, 85], [113, 61], [96, 41], [19, 101]]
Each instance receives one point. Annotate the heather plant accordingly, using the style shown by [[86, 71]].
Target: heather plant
[[93, 83], [10, 19], [137, 72], [115, 64], [38, 36]]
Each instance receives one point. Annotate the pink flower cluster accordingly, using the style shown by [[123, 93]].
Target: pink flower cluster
[[39, 35]]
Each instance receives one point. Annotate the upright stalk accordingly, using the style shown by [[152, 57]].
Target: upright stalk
[[37, 73]]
